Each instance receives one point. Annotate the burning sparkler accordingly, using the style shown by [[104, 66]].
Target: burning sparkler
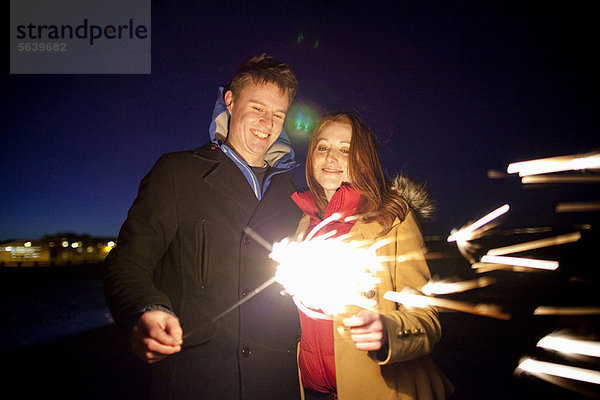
[[327, 274]]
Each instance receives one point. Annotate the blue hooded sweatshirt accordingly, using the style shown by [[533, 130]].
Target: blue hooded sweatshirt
[[280, 156]]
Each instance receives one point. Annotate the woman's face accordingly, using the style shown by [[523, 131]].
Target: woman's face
[[330, 158]]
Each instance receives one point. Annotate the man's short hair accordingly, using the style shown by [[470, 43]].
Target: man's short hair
[[264, 69]]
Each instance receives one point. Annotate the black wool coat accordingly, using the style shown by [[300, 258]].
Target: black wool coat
[[183, 246]]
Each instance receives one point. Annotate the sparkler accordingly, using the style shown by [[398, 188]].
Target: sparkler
[[569, 345], [327, 274], [419, 301]]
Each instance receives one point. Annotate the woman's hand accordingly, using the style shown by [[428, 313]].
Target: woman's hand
[[367, 330]]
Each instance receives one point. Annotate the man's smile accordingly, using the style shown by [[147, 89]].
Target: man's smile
[[259, 134]]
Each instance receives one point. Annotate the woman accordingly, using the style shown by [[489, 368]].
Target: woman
[[381, 354]]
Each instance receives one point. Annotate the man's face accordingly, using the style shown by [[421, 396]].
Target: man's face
[[257, 115]]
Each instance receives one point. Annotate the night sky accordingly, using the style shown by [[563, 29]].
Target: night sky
[[451, 91]]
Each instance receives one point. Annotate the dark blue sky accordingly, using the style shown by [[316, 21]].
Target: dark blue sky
[[451, 91]]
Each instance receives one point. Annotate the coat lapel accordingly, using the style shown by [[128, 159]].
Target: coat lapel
[[228, 180]]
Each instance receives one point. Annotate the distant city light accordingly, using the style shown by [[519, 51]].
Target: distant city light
[[65, 244], [27, 244]]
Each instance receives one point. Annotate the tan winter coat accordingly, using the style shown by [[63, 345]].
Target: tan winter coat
[[407, 372]]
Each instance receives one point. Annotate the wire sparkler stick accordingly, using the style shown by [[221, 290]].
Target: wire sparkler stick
[[245, 299]]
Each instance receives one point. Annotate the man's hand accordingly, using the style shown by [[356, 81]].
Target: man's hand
[[156, 335], [367, 330]]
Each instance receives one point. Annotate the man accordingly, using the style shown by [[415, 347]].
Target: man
[[183, 257]]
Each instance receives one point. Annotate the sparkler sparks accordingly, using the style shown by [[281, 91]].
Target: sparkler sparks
[[536, 244], [521, 262], [541, 368], [466, 233], [581, 206], [548, 310], [441, 287], [415, 300], [555, 164], [569, 345]]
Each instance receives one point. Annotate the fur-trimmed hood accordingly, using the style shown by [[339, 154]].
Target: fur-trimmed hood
[[417, 196]]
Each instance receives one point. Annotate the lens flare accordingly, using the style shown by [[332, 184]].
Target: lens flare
[[301, 120]]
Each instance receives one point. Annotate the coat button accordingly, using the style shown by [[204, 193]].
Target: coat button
[[416, 331], [246, 352], [245, 292], [370, 294], [246, 240], [404, 334]]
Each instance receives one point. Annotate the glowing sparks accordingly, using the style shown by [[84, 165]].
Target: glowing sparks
[[559, 179], [536, 367], [466, 233], [555, 164], [316, 229], [521, 262], [327, 274], [536, 244], [565, 344], [419, 301], [548, 310], [442, 287], [581, 206]]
